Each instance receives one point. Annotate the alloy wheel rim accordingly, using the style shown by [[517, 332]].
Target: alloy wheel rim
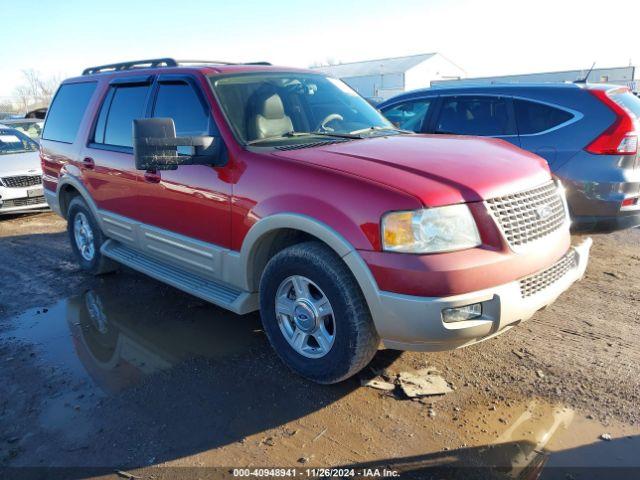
[[83, 235], [305, 317]]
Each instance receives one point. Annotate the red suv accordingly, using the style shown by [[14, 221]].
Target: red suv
[[281, 190]]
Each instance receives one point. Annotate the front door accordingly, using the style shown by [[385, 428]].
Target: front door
[[185, 212]]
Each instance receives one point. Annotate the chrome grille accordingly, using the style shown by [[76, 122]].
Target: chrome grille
[[539, 281], [21, 181], [22, 202], [529, 215]]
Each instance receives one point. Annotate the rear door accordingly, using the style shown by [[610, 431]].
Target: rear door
[[481, 115], [107, 160]]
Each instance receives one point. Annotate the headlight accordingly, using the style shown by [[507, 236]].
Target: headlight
[[430, 230]]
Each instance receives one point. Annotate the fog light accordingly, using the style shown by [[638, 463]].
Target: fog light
[[459, 314]]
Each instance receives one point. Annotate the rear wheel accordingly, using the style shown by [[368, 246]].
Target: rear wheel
[[87, 238], [315, 315]]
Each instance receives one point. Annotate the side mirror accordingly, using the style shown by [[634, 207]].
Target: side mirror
[[155, 146]]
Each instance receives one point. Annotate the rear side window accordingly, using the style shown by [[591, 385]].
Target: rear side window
[[533, 117], [180, 102], [67, 110], [122, 105], [409, 115], [484, 116]]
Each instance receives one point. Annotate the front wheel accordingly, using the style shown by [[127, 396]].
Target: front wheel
[[315, 315]]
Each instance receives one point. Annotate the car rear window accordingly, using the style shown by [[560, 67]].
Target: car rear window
[[67, 110], [627, 100], [534, 117]]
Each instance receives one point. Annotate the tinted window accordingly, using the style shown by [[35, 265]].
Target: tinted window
[[484, 116], [180, 102], [533, 117], [67, 110], [628, 101], [408, 115], [118, 111]]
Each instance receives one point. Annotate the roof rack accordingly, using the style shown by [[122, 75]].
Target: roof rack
[[157, 62]]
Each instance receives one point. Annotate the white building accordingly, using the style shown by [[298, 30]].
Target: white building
[[386, 77], [617, 76]]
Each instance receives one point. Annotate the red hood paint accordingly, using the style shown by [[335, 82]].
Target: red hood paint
[[437, 169]]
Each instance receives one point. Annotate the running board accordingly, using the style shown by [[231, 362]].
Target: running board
[[231, 298]]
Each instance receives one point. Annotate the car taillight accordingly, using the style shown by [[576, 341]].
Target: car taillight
[[621, 138]]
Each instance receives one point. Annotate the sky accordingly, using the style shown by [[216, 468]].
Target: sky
[[486, 37]]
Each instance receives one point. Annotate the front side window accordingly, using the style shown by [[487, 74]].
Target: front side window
[[483, 116], [281, 107], [13, 141], [122, 105], [67, 110], [181, 103], [408, 115], [534, 117]]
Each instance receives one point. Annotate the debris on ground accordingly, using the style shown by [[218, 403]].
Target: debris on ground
[[606, 437], [269, 441], [130, 476], [320, 434], [540, 373], [303, 460], [378, 384], [421, 383]]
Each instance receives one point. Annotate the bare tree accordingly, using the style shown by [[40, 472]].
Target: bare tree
[[36, 90], [327, 62]]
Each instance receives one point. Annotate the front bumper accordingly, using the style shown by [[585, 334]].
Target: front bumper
[[22, 199], [407, 322]]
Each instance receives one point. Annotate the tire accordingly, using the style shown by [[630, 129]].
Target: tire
[[80, 220], [345, 340]]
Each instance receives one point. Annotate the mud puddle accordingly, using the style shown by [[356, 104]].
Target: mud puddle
[[108, 341], [160, 378]]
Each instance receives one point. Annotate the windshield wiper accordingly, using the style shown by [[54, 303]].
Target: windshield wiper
[[303, 134], [374, 128]]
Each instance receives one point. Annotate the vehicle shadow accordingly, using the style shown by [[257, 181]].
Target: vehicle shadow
[[519, 460]]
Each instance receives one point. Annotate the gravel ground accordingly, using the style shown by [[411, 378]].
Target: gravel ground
[[157, 377]]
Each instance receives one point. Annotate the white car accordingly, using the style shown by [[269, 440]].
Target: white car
[[20, 173]]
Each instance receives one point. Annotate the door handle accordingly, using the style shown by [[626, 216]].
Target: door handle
[[88, 163], [152, 176]]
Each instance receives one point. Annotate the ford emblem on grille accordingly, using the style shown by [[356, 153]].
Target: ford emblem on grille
[[544, 211]]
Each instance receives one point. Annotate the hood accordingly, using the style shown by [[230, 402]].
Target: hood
[[437, 169], [20, 164]]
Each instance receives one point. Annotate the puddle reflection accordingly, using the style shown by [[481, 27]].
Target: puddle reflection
[[114, 339]]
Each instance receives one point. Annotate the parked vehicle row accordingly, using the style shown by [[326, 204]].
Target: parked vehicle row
[[587, 133], [20, 173], [282, 190]]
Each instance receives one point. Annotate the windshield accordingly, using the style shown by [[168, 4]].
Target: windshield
[[13, 141], [30, 128], [282, 107]]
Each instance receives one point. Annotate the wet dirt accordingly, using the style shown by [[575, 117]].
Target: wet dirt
[[124, 372]]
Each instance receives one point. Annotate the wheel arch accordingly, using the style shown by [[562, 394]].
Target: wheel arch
[[68, 188], [279, 231]]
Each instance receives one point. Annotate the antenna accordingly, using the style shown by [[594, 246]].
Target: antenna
[[586, 77]]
